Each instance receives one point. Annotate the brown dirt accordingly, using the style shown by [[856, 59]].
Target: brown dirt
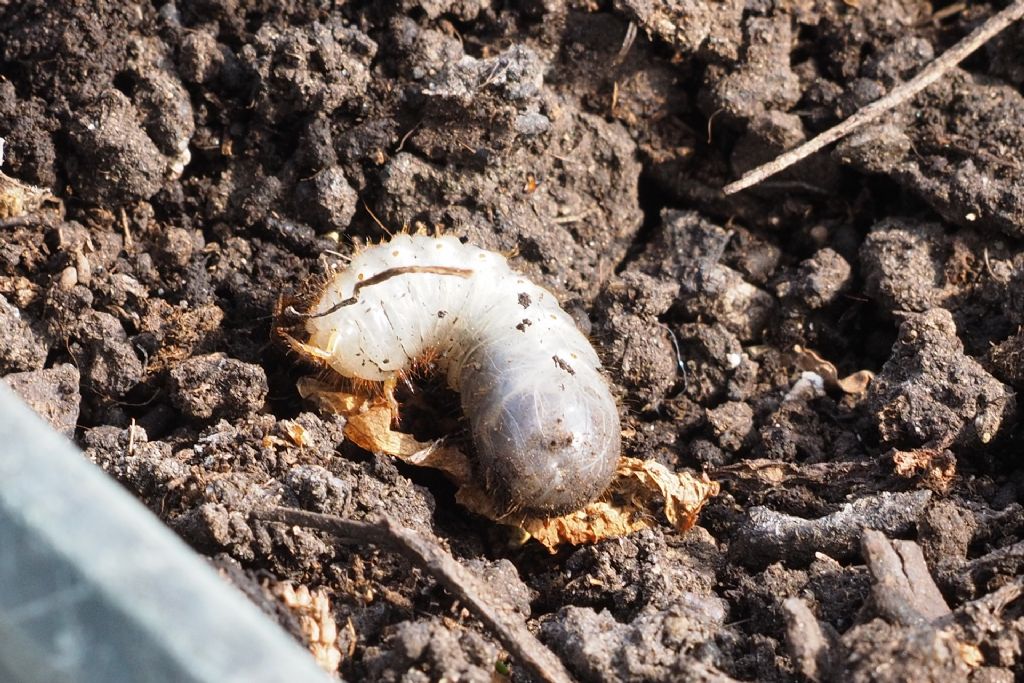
[[212, 155]]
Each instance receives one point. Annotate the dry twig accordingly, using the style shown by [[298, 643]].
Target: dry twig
[[814, 647], [900, 94], [903, 589], [462, 583]]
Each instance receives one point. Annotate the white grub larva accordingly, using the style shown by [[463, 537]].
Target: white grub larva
[[544, 423]]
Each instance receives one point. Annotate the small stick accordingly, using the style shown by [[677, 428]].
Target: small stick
[[18, 221], [900, 94], [987, 606], [459, 581]]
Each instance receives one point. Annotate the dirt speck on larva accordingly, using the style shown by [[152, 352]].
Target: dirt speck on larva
[[211, 159]]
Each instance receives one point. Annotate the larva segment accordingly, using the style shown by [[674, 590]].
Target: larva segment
[[543, 420]]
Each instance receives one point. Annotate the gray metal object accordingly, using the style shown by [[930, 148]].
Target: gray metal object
[[93, 588]]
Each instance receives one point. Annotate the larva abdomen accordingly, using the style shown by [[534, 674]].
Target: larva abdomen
[[544, 423]]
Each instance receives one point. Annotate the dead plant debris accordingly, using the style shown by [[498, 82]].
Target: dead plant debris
[[638, 490]]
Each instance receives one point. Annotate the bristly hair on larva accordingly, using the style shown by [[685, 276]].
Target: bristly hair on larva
[[542, 416]]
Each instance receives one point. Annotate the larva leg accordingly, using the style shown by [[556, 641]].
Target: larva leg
[[311, 353], [390, 384]]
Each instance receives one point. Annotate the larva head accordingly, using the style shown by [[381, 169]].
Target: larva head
[[550, 450]]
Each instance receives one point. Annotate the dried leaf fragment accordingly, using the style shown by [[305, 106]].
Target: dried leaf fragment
[[638, 488], [339, 402], [368, 426], [684, 494], [936, 467], [857, 383], [297, 433], [628, 506], [18, 198], [371, 429], [971, 654], [596, 521], [312, 609]]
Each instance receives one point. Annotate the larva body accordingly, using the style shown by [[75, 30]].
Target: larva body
[[543, 420]]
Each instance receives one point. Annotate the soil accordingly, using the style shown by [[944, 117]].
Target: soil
[[212, 155]]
